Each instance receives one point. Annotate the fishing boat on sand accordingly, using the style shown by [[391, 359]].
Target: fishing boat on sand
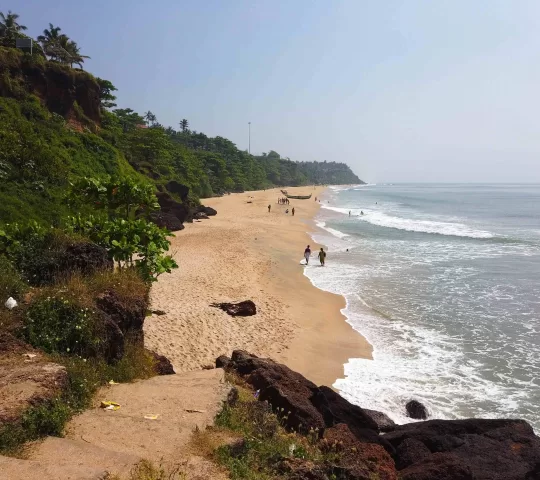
[[284, 192], [299, 197]]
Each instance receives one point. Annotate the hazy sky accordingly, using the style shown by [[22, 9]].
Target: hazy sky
[[410, 90]]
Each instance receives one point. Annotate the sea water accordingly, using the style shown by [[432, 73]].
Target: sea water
[[444, 282]]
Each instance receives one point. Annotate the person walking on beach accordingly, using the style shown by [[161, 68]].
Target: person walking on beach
[[292, 211], [269, 207], [322, 257], [307, 254]]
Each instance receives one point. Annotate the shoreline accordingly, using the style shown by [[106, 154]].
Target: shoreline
[[247, 253]]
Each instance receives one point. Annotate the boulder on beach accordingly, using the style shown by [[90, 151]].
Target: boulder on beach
[[416, 410], [240, 309], [478, 449]]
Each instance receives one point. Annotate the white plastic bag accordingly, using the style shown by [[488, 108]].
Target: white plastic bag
[[11, 303]]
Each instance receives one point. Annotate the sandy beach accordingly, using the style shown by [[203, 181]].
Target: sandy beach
[[247, 253]]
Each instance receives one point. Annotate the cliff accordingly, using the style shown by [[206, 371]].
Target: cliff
[[73, 94]]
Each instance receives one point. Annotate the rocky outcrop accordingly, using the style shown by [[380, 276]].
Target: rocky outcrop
[[416, 410], [383, 421], [473, 449], [167, 220], [61, 258], [122, 319], [466, 449], [162, 365], [65, 91], [241, 309], [305, 406], [357, 460], [170, 206], [27, 378], [177, 188], [208, 210]]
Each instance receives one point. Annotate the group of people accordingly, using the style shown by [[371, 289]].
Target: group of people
[[321, 255], [283, 201], [286, 211]]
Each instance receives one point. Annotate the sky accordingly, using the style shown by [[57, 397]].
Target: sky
[[402, 91]]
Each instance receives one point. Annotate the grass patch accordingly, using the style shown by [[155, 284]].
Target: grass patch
[[257, 441], [85, 377]]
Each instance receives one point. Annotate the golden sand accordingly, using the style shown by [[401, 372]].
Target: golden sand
[[247, 253]]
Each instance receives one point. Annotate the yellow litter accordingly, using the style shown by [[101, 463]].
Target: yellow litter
[[112, 382], [151, 416], [108, 405]]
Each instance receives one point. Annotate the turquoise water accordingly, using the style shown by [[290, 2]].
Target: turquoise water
[[444, 281]]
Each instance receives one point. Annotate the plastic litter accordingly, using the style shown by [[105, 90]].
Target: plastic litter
[[11, 303], [151, 416], [112, 382], [108, 405], [30, 355]]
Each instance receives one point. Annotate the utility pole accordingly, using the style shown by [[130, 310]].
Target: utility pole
[[249, 137]]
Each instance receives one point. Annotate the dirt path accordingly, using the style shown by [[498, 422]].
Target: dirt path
[[98, 442]]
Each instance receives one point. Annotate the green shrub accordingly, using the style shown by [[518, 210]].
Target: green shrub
[[38, 421], [60, 325], [11, 282]]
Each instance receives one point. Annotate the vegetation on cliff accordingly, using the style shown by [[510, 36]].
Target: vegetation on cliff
[[58, 123]]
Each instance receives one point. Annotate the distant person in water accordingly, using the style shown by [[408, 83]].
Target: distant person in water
[[269, 207], [361, 212], [322, 256], [292, 211], [349, 213], [307, 254]]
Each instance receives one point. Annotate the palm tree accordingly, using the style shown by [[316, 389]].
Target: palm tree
[[9, 24], [49, 41], [150, 118], [184, 124], [70, 52]]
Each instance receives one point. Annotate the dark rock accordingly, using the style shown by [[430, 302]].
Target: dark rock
[[171, 206], [409, 452], [336, 409], [222, 361], [416, 410], [167, 220], [232, 397], [300, 469], [162, 365], [121, 318], [86, 258], [159, 312], [383, 421], [240, 309], [129, 314], [181, 190], [440, 467], [303, 405], [112, 347], [209, 211], [489, 449], [357, 460], [200, 216], [58, 259]]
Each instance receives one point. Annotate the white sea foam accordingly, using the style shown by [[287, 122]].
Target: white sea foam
[[333, 231], [382, 219]]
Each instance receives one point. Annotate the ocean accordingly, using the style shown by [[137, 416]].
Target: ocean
[[444, 282]]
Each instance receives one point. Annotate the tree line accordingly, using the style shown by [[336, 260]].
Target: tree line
[[52, 44]]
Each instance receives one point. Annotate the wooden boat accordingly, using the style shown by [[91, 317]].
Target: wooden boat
[[284, 192], [299, 197]]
